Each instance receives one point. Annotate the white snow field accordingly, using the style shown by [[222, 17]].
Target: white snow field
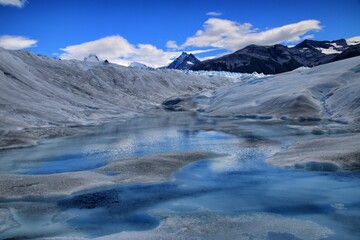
[[330, 91], [41, 96]]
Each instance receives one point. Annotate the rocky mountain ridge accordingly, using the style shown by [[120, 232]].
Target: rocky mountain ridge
[[278, 58]]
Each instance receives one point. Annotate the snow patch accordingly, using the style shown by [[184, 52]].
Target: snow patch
[[330, 50], [353, 40]]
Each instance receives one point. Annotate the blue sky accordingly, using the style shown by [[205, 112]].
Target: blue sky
[[154, 31]]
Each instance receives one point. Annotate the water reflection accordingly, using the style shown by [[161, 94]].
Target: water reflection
[[236, 184]]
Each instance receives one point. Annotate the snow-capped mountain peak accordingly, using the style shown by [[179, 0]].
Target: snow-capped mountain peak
[[324, 47], [184, 61]]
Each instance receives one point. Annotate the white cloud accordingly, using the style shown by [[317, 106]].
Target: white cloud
[[230, 35], [118, 50], [214, 14], [16, 42], [15, 3], [310, 36], [208, 58], [217, 34], [172, 45]]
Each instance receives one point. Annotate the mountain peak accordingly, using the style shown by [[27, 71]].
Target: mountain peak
[[184, 61], [323, 47], [92, 58]]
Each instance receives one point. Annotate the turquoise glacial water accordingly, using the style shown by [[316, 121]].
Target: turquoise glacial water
[[239, 183]]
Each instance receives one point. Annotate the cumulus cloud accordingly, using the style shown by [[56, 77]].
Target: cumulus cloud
[[172, 45], [230, 35], [15, 3], [217, 34], [214, 14], [16, 42], [118, 50]]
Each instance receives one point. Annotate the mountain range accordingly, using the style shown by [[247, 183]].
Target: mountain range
[[275, 58]]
